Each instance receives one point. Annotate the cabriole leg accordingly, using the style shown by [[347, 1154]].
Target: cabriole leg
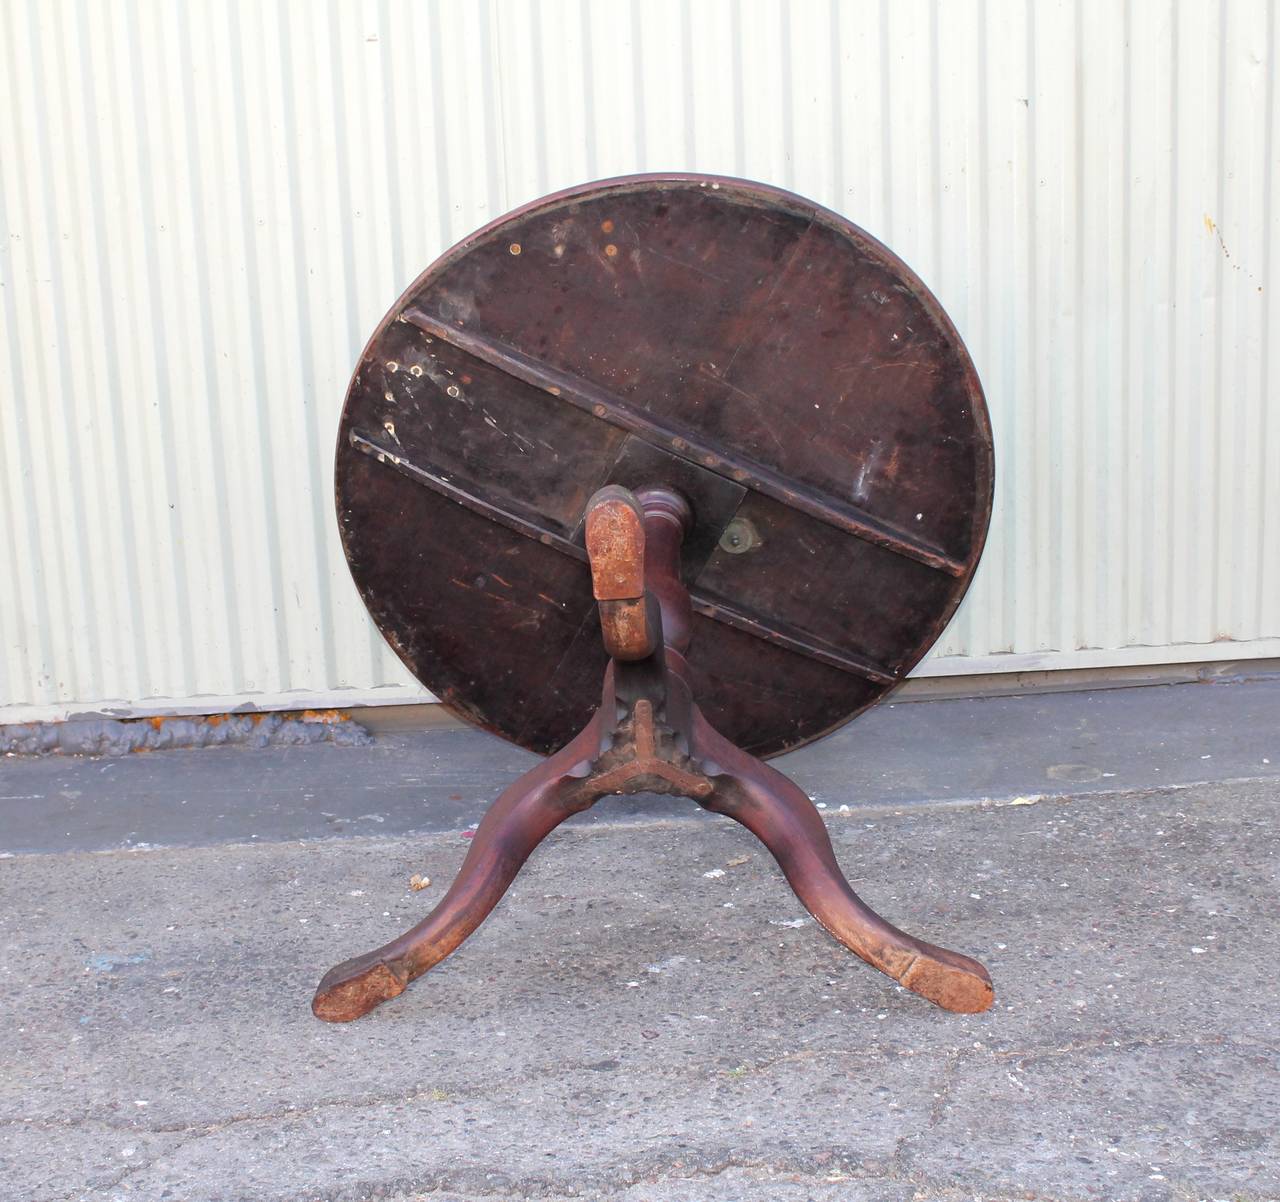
[[523, 815], [781, 816]]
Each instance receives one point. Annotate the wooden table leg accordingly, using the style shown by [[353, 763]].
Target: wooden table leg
[[779, 813], [522, 816]]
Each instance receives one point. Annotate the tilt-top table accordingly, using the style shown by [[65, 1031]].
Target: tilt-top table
[[697, 439]]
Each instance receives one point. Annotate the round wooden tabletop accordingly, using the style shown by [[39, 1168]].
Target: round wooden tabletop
[[771, 361]]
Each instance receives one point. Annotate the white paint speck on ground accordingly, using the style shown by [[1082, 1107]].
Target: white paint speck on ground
[[664, 965]]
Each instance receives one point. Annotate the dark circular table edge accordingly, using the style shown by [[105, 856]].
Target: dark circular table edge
[[785, 199]]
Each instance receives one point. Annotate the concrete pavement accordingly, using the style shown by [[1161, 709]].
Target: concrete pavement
[[626, 1026], [418, 781]]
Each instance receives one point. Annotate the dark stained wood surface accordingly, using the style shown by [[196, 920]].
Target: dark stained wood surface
[[779, 367]]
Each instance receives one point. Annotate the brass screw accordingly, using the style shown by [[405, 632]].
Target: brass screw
[[739, 537]]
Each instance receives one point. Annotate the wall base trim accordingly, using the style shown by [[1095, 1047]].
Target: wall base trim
[[945, 676]]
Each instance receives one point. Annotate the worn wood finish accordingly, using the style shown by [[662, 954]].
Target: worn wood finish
[[696, 436], [649, 736], [779, 367]]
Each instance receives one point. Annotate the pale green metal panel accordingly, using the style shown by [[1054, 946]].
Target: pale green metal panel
[[208, 205]]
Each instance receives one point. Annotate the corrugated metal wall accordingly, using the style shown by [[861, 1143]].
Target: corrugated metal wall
[[207, 206]]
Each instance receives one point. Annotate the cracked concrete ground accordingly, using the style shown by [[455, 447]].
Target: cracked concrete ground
[[627, 1027]]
